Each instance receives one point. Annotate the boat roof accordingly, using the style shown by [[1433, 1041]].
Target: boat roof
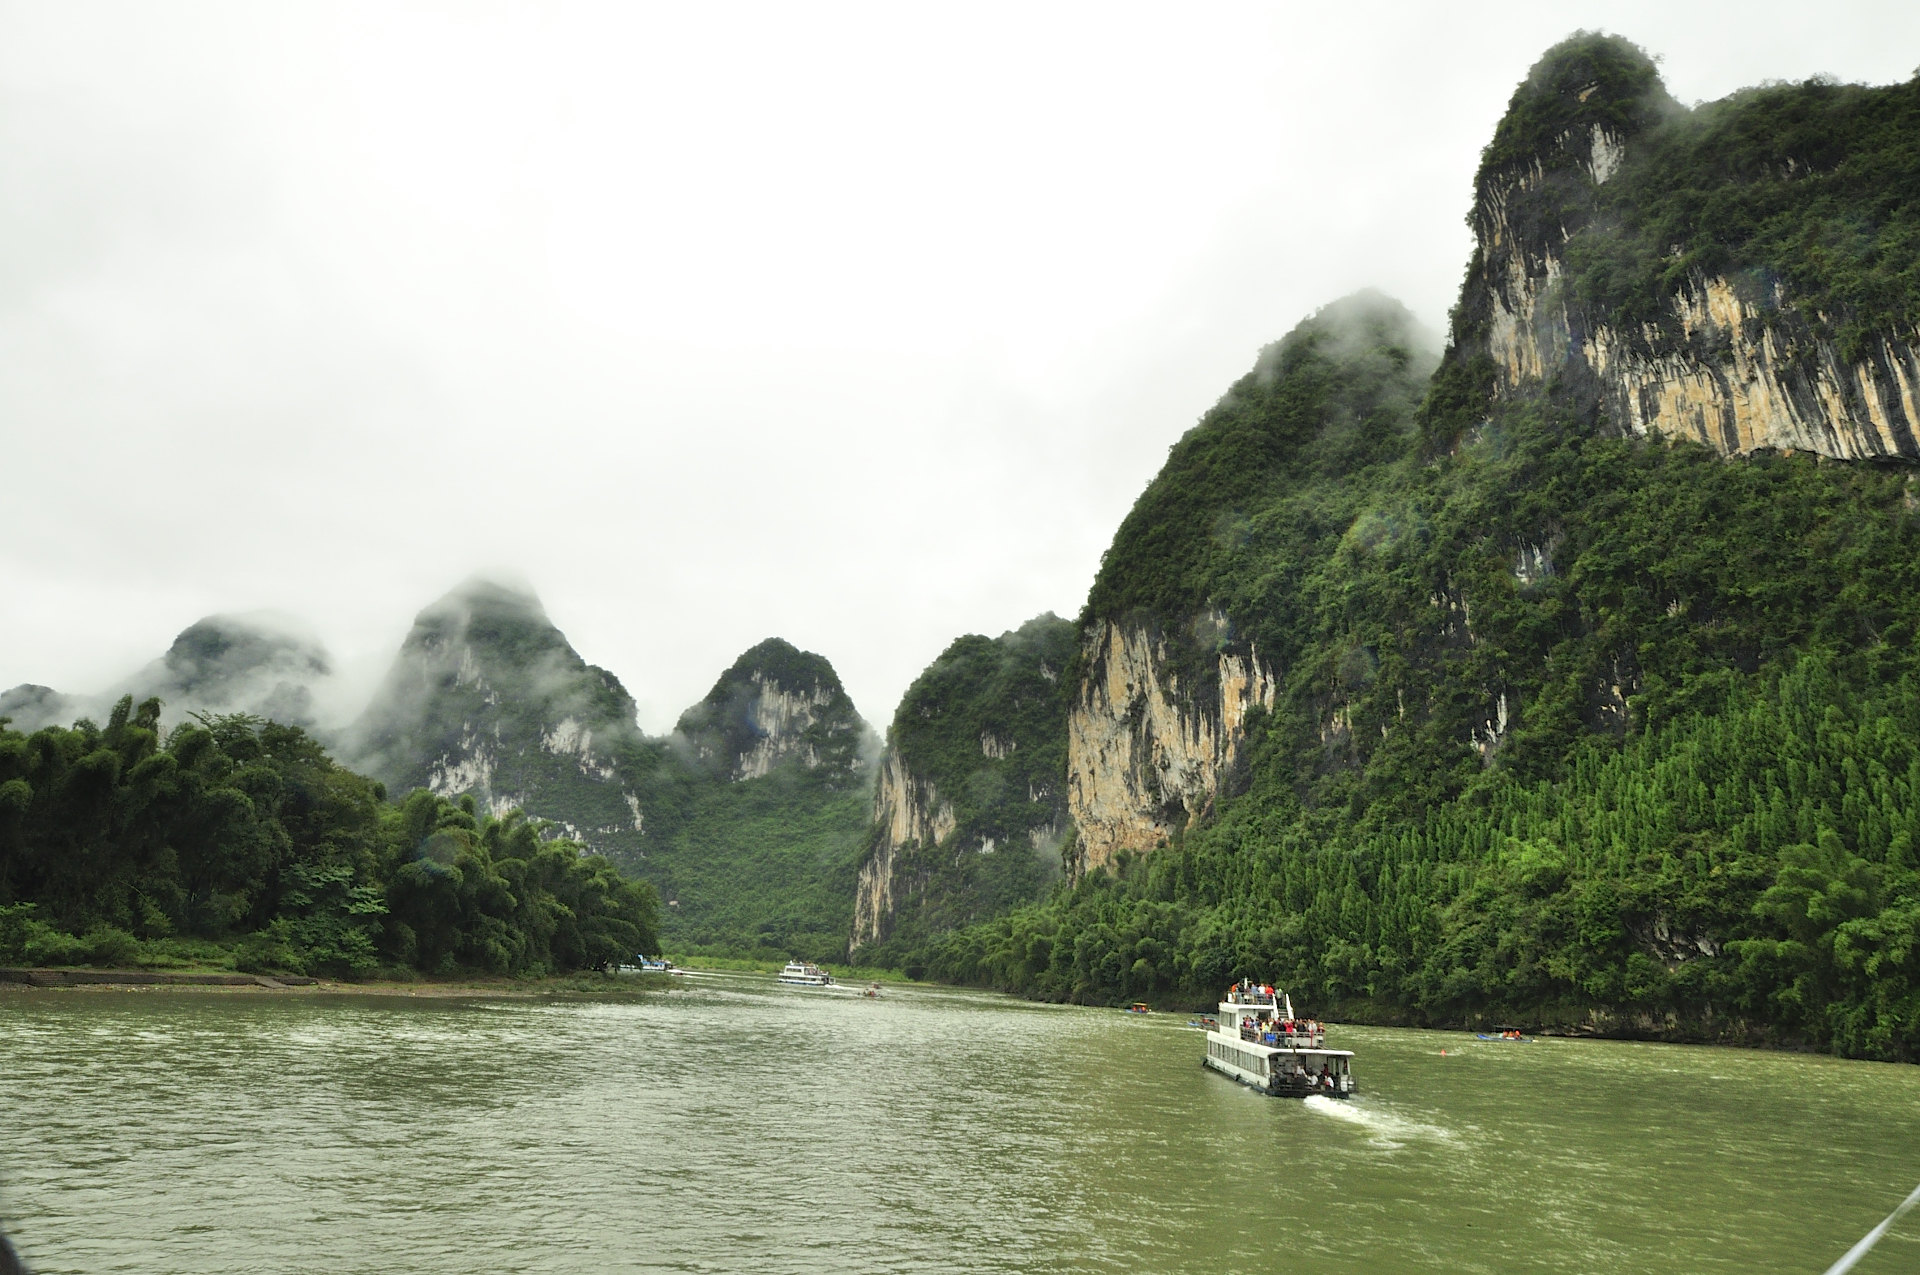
[[1256, 1007]]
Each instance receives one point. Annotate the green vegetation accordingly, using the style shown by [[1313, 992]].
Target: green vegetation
[[1587, 79], [237, 841], [757, 810], [1814, 187], [1744, 875], [1573, 730], [1273, 481], [763, 867], [725, 727], [486, 693], [985, 727], [487, 696]]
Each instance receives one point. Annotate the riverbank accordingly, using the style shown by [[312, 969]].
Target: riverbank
[[1582, 1022], [26, 982]]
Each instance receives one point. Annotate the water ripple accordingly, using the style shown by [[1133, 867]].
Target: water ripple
[[734, 1125]]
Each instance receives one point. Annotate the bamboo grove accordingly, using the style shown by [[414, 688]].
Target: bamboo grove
[[234, 841]]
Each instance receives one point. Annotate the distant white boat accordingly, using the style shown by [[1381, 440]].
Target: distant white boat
[[648, 965], [805, 974]]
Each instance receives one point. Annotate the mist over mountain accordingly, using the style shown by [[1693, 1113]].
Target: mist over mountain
[[1567, 673], [747, 819], [261, 663], [486, 697], [30, 706], [1576, 685]]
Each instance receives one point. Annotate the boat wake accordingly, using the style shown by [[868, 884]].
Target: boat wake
[[1386, 1128]]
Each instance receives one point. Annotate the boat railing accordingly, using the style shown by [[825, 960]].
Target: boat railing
[[1304, 1037]]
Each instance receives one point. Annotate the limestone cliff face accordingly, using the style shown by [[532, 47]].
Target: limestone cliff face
[[781, 719], [778, 705], [969, 813], [1146, 751], [1740, 380], [907, 811], [1738, 363], [486, 697]]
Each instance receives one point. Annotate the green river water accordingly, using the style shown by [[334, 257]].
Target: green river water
[[736, 1125]]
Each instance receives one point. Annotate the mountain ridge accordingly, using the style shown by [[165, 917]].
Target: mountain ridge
[[1568, 708]]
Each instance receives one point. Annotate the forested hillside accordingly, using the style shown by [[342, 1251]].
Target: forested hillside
[[762, 802], [487, 698], [239, 841], [1557, 723], [748, 819], [971, 808]]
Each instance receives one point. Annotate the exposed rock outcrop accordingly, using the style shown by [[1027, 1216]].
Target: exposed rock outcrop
[[907, 812], [486, 697], [1737, 363], [969, 811], [1146, 752], [776, 705]]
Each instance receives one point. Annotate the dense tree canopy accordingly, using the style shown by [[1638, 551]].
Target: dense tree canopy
[[238, 839], [1572, 728]]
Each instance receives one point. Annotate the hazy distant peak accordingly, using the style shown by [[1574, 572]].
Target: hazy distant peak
[[486, 696], [1355, 324], [488, 595], [222, 647], [32, 706]]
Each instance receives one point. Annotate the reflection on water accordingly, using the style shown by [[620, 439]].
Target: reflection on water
[[736, 1125]]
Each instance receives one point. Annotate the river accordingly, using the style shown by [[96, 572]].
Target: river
[[735, 1125]]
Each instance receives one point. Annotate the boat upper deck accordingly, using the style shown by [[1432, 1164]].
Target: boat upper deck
[[1282, 1034], [1263, 1015]]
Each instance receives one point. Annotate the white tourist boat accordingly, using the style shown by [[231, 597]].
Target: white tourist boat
[[1262, 1043], [649, 965], [805, 974]]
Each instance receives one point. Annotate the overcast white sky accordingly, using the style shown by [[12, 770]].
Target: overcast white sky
[[859, 325]]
